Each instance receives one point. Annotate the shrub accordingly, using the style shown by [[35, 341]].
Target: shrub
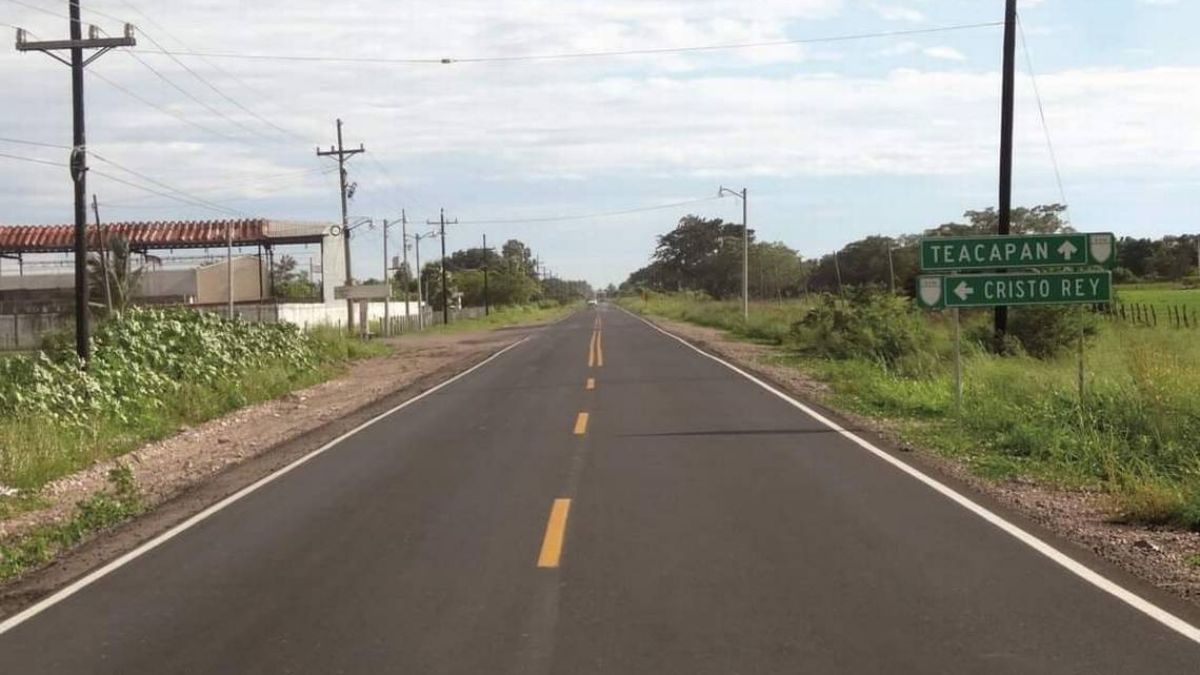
[[1046, 332], [872, 325]]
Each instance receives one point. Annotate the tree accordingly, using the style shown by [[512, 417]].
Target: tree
[[288, 283], [114, 278]]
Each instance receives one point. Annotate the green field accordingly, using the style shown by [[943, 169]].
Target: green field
[[1136, 435], [1161, 295]]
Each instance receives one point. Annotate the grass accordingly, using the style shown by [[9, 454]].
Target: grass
[[101, 511], [504, 317], [1161, 296], [1136, 435]]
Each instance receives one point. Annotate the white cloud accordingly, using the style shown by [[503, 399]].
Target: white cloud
[[897, 13], [944, 53], [689, 115]]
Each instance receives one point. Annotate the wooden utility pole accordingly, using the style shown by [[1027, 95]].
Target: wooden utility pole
[[487, 304], [445, 288], [76, 45], [1007, 100], [404, 267], [342, 154]]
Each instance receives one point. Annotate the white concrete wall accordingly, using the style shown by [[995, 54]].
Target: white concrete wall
[[311, 315]]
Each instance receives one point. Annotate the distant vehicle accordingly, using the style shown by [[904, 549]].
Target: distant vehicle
[[592, 302]]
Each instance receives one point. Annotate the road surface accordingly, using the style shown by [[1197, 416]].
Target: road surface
[[599, 499]]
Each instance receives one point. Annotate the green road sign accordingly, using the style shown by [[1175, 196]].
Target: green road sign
[[991, 290], [944, 254]]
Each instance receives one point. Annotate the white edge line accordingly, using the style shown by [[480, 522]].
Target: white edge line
[[1130, 598], [90, 578]]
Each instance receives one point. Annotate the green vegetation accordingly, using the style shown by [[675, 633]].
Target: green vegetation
[[101, 511], [1135, 434], [153, 371], [503, 317], [1161, 295]]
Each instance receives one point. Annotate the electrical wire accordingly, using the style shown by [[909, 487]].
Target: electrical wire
[[162, 109], [154, 181], [232, 76], [38, 8], [32, 160], [586, 216], [1037, 94], [575, 55], [19, 141]]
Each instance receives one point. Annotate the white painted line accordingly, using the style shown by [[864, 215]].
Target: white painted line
[[90, 578], [1130, 598]]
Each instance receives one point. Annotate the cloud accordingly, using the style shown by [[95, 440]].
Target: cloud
[[944, 53], [1158, 3], [897, 13], [437, 128]]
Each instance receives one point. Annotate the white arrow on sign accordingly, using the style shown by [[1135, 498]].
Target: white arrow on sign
[[963, 291], [1067, 250]]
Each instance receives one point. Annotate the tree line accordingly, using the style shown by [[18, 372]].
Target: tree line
[[706, 255]]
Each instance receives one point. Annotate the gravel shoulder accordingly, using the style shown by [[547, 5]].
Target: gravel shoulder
[[1159, 556], [198, 466]]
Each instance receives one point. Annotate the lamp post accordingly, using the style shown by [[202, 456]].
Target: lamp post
[[745, 247]]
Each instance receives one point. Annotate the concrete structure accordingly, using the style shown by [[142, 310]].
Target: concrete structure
[[203, 285], [19, 242]]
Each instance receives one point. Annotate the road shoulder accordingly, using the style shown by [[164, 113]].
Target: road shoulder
[[184, 474], [1157, 557]]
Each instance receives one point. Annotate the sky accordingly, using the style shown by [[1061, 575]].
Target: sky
[[834, 140]]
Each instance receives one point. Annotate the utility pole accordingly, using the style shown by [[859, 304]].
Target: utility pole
[[487, 304], [100, 235], [342, 154], [891, 270], [1007, 99], [837, 268], [76, 45], [745, 246], [229, 263], [420, 295], [404, 267], [387, 279], [445, 288]]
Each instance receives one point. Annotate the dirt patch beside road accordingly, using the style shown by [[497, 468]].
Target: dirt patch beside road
[[183, 474], [1161, 556]]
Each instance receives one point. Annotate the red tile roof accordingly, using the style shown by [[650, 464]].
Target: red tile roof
[[156, 235]]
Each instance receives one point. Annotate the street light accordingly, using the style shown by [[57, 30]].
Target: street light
[[745, 247]]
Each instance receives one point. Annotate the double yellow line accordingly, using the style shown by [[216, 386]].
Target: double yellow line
[[596, 348]]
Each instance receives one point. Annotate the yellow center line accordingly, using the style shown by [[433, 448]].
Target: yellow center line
[[599, 349], [592, 351], [556, 528], [591, 383], [581, 424]]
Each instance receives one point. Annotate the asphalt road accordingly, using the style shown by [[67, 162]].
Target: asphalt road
[[691, 523]]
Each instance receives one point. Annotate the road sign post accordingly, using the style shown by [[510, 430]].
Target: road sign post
[[991, 290], [947, 254]]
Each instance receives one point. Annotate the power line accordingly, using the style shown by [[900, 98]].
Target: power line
[[164, 110], [197, 99], [38, 8], [223, 95], [154, 181], [575, 55], [587, 216], [19, 141], [1037, 94], [213, 65], [19, 158]]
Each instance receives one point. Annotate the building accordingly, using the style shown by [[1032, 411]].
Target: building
[[206, 284]]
